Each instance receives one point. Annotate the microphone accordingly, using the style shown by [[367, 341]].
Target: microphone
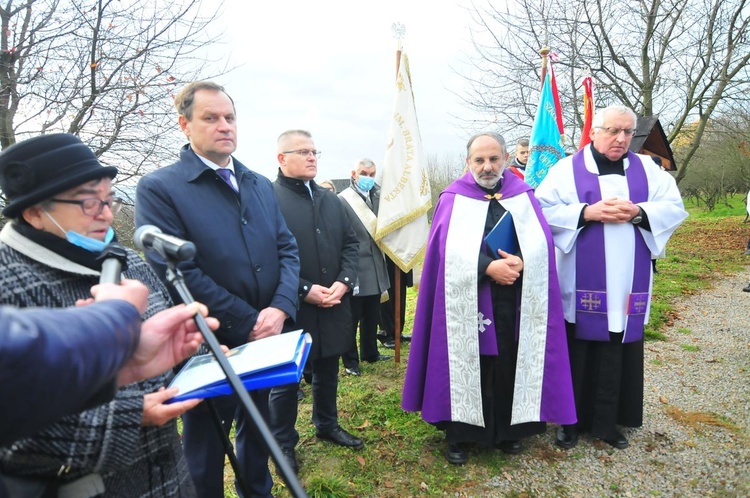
[[149, 237], [114, 259]]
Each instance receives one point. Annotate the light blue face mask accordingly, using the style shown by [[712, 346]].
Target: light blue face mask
[[365, 183], [89, 243], [82, 241]]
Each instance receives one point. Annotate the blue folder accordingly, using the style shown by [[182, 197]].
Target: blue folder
[[503, 236], [269, 362]]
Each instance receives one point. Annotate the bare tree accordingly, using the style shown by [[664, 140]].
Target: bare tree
[[683, 60], [105, 70]]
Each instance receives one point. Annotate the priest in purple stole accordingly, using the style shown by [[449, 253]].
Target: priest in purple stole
[[609, 210], [488, 361]]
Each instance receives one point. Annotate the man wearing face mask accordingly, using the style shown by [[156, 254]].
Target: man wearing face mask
[[61, 203], [361, 202]]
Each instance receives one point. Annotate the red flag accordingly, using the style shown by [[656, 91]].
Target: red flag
[[556, 98], [588, 110]]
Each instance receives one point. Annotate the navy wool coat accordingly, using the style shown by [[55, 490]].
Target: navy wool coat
[[247, 259]]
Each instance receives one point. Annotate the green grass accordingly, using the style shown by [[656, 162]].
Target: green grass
[[706, 246], [403, 454], [692, 348]]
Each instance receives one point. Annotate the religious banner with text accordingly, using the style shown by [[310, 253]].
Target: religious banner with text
[[405, 197]]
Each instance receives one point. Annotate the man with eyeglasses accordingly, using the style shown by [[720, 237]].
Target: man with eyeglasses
[[361, 201], [246, 269], [61, 205], [609, 210], [328, 249]]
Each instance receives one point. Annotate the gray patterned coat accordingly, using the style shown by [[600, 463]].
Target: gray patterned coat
[[133, 461]]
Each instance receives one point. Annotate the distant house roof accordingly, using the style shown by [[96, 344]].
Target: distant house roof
[[650, 139], [340, 184]]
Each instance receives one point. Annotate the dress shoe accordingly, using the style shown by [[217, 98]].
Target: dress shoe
[[510, 447], [380, 357], [405, 338], [353, 371], [291, 459], [747, 288], [339, 436], [300, 395], [455, 454], [382, 336], [567, 437], [389, 344], [618, 441]]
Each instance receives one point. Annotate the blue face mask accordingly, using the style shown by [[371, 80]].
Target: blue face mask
[[82, 241], [365, 183], [89, 243]]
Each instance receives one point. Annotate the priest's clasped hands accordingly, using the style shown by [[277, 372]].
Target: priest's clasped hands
[[505, 271], [612, 210]]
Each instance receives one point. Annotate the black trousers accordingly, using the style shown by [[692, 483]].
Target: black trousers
[[365, 314], [283, 402], [607, 383], [205, 454]]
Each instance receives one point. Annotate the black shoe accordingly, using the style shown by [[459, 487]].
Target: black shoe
[[746, 289], [339, 436], [405, 338], [510, 447], [300, 395], [618, 441], [353, 371], [455, 454], [567, 437], [291, 459], [380, 357], [382, 336], [389, 344]]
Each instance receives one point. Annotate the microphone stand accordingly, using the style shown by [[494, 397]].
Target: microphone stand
[[176, 279]]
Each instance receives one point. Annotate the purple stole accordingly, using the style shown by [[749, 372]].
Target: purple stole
[[591, 269]]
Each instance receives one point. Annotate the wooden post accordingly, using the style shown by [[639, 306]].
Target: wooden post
[[544, 52], [397, 313]]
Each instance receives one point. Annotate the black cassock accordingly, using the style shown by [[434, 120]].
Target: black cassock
[[497, 373]]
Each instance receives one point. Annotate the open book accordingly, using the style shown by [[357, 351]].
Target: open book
[[503, 236], [269, 362]]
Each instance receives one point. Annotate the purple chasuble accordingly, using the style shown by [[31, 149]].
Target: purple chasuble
[[427, 385], [591, 267]]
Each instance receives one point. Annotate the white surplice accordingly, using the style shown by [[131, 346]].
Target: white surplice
[[559, 200]]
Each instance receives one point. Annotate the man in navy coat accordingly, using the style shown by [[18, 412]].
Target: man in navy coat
[[246, 269]]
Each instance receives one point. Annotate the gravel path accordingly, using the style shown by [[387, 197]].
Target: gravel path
[[695, 440]]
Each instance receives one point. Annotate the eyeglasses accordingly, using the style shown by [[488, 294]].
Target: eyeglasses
[[94, 206], [612, 131], [303, 152]]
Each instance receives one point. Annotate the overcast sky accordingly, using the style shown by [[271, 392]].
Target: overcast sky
[[328, 66]]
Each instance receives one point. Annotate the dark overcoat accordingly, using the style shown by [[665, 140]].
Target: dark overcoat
[[371, 270], [247, 258], [328, 249]]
